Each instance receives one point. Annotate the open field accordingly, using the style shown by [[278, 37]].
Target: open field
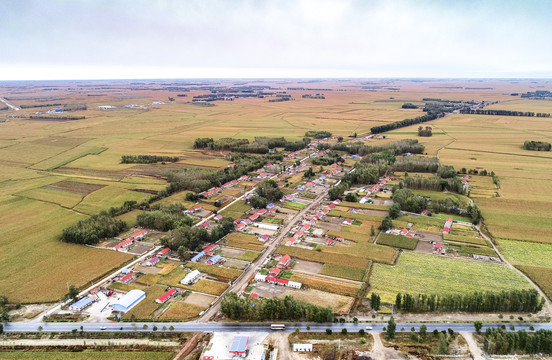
[[181, 311], [336, 286], [221, 273], [397, 241], [145, 308], [339, 303], [343, 271], [428, 274], [526, 253], [243, 241], [542, 276]]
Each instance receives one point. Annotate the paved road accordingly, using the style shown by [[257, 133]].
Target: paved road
[[13, 107], [244, 280], [251, 327]]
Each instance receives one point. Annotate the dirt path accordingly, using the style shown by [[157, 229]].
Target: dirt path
[[476, 352], [381, 352], [13, 107], [188, 347]]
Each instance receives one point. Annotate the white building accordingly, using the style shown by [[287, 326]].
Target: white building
[[190, 278], [302, 347], [127, 301]]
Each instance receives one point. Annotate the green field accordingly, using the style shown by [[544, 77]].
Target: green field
[[236, 210], [526, 253], [221, 273], [398, 241], [428, 274], [453, 217], [342, 271]]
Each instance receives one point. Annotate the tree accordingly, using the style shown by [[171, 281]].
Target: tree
[[375, 301], [73, 292], [362, 332], [340, 139], [478, 325], [386, 223], [309, 173], [328, 331], [258, 202], [154, 328], [171, 328], [352, 197], [443, 344], [391, 328], [372, 230], [183, 254], [398, 301], [423, 331], [394, 211], [344, 331]]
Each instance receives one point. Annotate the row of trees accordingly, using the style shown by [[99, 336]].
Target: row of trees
[[502, 112], [505, 301], [318, 134], [434, 183], [395, 147], [406, 200], [147, 159], [416, 164], [238, 308], [90, 231], [537, 145], [406, 122], [499, 341], [364, 174]]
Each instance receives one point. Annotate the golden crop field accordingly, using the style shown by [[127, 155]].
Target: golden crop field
[[37, 155]]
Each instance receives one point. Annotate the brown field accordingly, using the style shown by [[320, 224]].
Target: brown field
[[339, 303], [182, 311], [79, 188], [243, 241], [341, 287], [199, 299]]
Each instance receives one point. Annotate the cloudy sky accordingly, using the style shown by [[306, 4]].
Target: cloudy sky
[[96, 39]]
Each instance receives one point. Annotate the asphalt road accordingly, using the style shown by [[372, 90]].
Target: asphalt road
[[250, 327]]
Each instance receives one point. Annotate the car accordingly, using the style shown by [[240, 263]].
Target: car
[[103, 328], [368, 328]]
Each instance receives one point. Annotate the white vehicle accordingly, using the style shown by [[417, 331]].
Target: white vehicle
[[368, 328], [103, 328]]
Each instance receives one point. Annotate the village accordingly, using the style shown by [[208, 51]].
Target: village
[[304, 245]]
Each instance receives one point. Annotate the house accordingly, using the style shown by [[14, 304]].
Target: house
[[215, 259], [237, 221], [331, 206], [298, 234], [124, 244], [260, 277], [81, 304], [204, 225], [254, 217], [284, 261], [129, 300], [125, 279], [294, 284], [264, 238], [302, 347], [218, 218], [254, 295], [262, 212], [404, 231], [292, 239], [140, 234], [306, 227], [198, 257], [190, 278], [164, 253], [153, 261], [209, 248], [166, 296], [240, 226], [347, 222], [274, 272]]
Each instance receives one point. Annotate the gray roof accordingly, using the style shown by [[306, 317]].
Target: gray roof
[[239, 344]]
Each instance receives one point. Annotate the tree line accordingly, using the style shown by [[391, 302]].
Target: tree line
[[499, 341], [502, 112], [406, 122], [435, 183], [537, 145], [249, 309], [57, 117], [147, 159], [416, 164], [318, 134], [506, 301], [395, 147], [425, 132], [90, 231]]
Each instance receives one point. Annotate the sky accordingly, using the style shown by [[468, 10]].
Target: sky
[[138, 39]]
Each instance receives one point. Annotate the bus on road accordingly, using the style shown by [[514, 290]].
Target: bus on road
[[278, 327]]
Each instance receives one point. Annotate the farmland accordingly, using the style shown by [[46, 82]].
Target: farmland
[[53, 174], [243, 241], [397, 241], [428, 274], [89, 355]]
